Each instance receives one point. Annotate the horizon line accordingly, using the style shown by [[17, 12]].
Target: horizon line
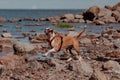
[[43, 8]]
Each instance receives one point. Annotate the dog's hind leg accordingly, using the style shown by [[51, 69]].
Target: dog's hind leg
[[77, 49]]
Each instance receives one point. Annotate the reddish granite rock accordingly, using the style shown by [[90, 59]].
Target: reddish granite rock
[[11, 61], [91, 13], [3, 20]]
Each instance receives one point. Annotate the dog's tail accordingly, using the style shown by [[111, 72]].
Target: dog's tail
[[83, 31]]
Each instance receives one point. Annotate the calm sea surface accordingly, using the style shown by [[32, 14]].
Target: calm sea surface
[[10, 14]]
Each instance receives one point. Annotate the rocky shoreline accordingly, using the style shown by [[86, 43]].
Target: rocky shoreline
[[100, 52], [95, 14]]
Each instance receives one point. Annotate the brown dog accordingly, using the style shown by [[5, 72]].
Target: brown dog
[[58, 42]]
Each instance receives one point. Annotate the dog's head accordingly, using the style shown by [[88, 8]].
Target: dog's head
[[48, 31], [51, 32]]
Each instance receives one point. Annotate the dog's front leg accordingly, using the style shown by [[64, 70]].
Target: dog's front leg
[[50, 51]]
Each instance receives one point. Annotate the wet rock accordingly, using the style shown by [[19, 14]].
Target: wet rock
[[26, 34], [14, 20], [18, 27], [112, 66], [27, 19], [32, 31], [5, 30], [6, 35], [21, 48], [2, 20], [42, 19], [36, 24]]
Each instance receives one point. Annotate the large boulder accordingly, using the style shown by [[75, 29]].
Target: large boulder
[[116, 14], [21, 48], [91, 13], [68, 17], [107, 19], [117, 6], [112, 66], [104, 12]]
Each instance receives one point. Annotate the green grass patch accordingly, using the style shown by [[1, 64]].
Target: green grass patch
[[64, 25]]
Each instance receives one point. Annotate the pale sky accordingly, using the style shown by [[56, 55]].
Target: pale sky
[[54, 4]]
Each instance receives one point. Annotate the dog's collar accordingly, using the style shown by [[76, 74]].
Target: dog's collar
[[52, 39]]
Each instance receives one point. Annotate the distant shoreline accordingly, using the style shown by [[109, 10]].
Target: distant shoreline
[[42, 9]]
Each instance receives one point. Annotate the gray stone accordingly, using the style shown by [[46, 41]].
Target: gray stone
[[21, 48], [98, 75], [112, 66]]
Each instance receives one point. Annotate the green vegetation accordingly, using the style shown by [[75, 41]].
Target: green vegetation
[[64, 25]]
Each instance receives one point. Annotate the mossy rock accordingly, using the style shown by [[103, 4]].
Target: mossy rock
[[64, 25]]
